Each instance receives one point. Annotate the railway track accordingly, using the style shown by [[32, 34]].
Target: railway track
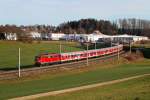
[[37, 70]]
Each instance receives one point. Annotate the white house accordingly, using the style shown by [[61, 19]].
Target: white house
[[35, 35], [96, 35], [46, 36], [11, 36], [128, 38], [56, 36], [76, 37]]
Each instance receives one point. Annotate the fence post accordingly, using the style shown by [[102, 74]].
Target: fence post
[[19, 62], [60, 48], [130, 47], [87, 60], [118, 52]]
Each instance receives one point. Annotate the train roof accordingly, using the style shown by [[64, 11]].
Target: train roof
[[75, 52], [52, 54], [78, 52]]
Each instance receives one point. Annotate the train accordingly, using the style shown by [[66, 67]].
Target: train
[[51, 58]]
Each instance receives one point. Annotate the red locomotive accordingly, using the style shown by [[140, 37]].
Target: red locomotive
[[50, 58]]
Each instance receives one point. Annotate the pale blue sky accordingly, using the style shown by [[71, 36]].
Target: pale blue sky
[[54, 12]]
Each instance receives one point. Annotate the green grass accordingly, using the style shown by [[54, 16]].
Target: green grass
[[14, 88], [9, 51], [137, 89]]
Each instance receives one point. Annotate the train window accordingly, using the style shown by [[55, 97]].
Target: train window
[[75, 55], [68, 56], [82, 54], [63, 56], [55, 56], [44, 56], [49, 56]]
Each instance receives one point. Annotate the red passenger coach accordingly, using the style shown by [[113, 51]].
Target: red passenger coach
[[50, 58]]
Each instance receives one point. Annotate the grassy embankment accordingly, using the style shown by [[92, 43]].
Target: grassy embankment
[[58, 81], [137, 89], [9, 52], [75, 78]]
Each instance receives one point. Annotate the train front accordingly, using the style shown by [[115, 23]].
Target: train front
[[38, 60], [46, 59]]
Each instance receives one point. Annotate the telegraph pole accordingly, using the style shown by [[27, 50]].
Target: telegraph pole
[[60, 48], [111, 42], [19, 62], [87, 60], [130, 47], [95, 48], [60, 51], [95, 45], [118, 51]]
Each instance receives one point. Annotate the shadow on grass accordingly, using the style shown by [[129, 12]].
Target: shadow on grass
[[144, 50], [15, 68], [146, 53]]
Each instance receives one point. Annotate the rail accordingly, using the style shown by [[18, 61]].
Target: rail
[[37, 70]]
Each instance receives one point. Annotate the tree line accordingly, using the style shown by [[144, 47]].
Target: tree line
[[134, 26], [86, 26]]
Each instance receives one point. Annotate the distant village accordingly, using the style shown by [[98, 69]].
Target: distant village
[[84, 30], [93, 37]]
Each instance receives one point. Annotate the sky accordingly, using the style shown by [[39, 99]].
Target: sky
[[55, 12]]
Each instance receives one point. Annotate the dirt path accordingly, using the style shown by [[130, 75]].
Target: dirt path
[[77, 88]]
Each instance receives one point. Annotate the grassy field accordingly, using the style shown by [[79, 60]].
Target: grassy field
[[137, 89], [9, 51], [50, 82]]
